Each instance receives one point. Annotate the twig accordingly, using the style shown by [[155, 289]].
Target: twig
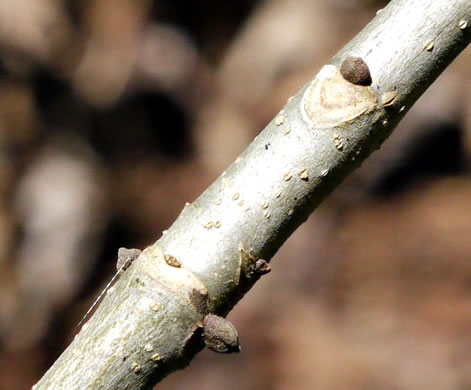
[[149, 323]]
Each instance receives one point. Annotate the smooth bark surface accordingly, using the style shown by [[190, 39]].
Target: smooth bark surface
[[145, 328]]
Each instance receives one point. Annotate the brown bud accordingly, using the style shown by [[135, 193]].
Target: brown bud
[[262, 267], [355, 71], [220, 335], [126, 257]]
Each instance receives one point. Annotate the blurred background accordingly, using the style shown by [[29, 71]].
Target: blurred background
[[114, 113]]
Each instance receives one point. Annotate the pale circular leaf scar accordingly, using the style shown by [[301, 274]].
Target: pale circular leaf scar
[[331, 101]]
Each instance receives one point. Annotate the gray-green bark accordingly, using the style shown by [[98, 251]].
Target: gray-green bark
[[142, 331]]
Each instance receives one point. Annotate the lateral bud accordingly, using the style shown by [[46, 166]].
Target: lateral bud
[[220, 335]]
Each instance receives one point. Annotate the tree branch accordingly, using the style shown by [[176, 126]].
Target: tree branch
[[150, 323]]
